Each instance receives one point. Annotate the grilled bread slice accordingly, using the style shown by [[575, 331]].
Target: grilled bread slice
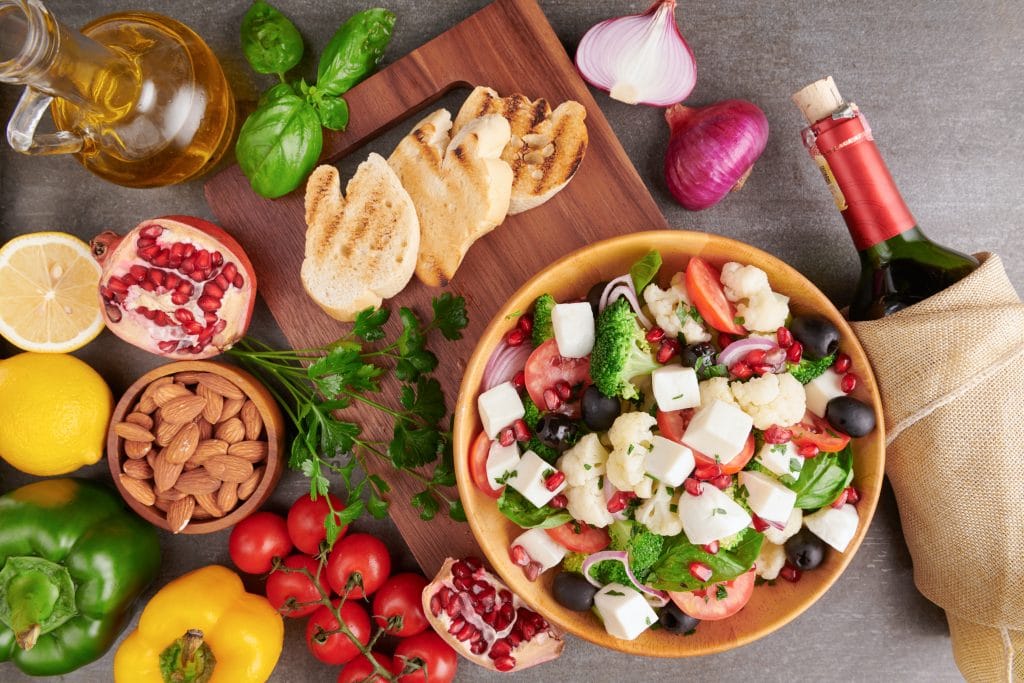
[[546, 146], [360, 248], [459, 185]]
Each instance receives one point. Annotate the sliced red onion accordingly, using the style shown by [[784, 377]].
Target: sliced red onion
[[504, 363], [640, 58], [654, 597], [626, 279], [738, 350]]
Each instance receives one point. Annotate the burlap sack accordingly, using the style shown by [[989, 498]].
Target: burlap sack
[[951, 374]]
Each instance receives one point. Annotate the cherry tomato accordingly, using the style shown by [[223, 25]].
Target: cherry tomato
[[546, 366], [306, 522], [437, 659], [336, 648], [285, 589], [360, 670], [358, 565], [398, 605], [703, 283], [580, 537], [709, 607], [672, 426], [814, 431], [257, 540], [478, 454]]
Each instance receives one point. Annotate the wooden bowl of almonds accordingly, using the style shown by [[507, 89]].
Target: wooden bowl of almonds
[[196, 446]]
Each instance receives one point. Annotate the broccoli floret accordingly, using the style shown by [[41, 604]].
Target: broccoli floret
[[542, 330], [807, 370], [730, 542], [643, 547], [573, 562], [620, 351], [532, 415]]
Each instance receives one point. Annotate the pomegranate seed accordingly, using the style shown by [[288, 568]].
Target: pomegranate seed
[[515, 337], [700, 571], [563, 389], [514, 638], [148, 253], [668, 348], [852, 495], [461, 583], [501, 648], [148, 286], [117, 285], [619, 500], [216, 259], [490, 618], [521, 430], [758, 523], [655, 334], [461, 569], [842, 364], [192, 327], [790, 573], [504, 663], [848, 383], [144, 242], [466, 633], [238, 281], [722, 481], [724, 339], [551, 400], [559, 501], [518, 555], [197, 275], [705, 472], [162, 258], [186, 288], [435, 604], [784, 337], [147, 313], [795, 352], [519, 380], [203, 260], [157, 277], [840, 500], [222, 282], [741, 370], [167, 346], [187, 266], [208, 303], [163, 319], [529, 630], [138, 272], [763, 369], [808, 450], [209, 317], [554, 481], [506, 437], [479, 644], [183, 315], [755, 357], [456, 625], [525, 323], [532, 571], [693, 486], [776, 434], [229, 271], [711, 548], [452, 608], [190, 250], [178, 249]]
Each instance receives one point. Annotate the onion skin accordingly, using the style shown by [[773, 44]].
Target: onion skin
[[711, 150]]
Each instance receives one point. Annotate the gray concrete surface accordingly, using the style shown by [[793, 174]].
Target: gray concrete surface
[[940, 82]]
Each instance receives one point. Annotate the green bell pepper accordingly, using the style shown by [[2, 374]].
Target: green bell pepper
[[72, 561]]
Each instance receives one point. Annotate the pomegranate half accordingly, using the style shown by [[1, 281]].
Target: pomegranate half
[[484, 621], [176, 286]]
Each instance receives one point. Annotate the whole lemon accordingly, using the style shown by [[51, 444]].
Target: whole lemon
[[54, 411]]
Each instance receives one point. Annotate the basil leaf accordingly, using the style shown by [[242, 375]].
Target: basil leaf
[[333, 112], [645, 270], [514, 505], [822, 479], [355, 49], [270, 41], [279, 145], [672, 570]]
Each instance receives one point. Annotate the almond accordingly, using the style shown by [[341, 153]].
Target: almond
[[228, 468], [170, 495], [130, 431], [183, 445], [231, 431], [146, 405], [227, 496], [253, 451], [182, 409], [200, 513], [208, 502], [209, 448], [248, 487], [205, 429], [162, 504], [138, 489], [187, 377], [137, 449], [137, 469], [140, 419], [197, 482], [221, 385], [232, 406], [151, 458], [179, 514], [166, 392], [152, 386], [165, 473], [250, 415], [214, 403], [165, 431]]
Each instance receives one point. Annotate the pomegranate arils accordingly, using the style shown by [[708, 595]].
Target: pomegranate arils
[[808, 450], [515, 337], [848, 383], [217, 259], [532, 571], [563, 389], [517, 554], [693, 486], [551, 399], [840, 500], [755, 357], [525, 323], [852, 496], [519, 380], [758, 523], [842, 364], [711, 548], [795, 352], [668, 349], [553, 481], [722, 481], [238, 281], [784, 337], [776, 435], [790, 573], [700, 571], [741, 370], [208, 303], [705, 472], [619, 501], [521, 430], [506, 437], [559, 502], [724, 339], [655, 334], [229, 271]]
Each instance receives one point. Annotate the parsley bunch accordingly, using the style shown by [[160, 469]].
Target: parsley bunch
[[312, 384]]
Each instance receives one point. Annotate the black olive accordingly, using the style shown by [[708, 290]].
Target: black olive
[[594, 296], [557, 431], [692, 353], [804, 550], [574, 592], [675, 620], [599, 411], [818, 336], [850, 416]]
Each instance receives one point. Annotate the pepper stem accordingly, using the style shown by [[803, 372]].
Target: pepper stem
[[26, 639], [36, 597], [188, 659]]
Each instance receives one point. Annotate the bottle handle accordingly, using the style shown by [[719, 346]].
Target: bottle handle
[[21, 129]]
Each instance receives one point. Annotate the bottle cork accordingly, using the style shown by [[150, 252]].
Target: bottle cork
[[818, 100]]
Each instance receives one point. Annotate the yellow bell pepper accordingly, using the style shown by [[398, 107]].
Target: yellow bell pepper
[[202, 628]]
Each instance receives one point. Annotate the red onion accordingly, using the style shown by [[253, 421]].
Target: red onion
[[655, 597], [639, 58], [504, 363], [626, 279], [711, 150], [738, 350], [623, 286]]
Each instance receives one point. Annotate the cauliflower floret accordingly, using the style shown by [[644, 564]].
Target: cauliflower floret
[[670, 309], [655, 513], [631, 437], [771, 399], [716, 387], [587, 503], [770, 561], [780, 536], [743, 282], [584, 461], [765, 311]]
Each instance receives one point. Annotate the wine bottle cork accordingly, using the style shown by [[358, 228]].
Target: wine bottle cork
[[818, 100]]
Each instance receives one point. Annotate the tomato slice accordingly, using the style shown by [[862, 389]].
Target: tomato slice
[[546, 366], [706, 605], [478, 454], [819, 433], [580, 537], [673, 424], [704, 285]]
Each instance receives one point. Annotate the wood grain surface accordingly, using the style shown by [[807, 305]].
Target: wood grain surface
[[606, 198]]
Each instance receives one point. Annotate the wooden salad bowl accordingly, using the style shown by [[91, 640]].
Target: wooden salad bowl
[[770, 607]]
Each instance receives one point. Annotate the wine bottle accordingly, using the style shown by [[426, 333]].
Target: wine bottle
[[899, 264]]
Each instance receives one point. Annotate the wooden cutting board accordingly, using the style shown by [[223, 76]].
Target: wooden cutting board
[[509, 46]]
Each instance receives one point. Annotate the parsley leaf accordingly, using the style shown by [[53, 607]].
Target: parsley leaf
[[450, 315], [369, 324]]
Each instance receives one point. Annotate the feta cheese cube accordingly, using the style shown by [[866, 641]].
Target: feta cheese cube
[[718, 430], [573, 325], [501, 461], [711, 516], [624, 611], [669, 462], [767, 496], [499, 407], [675, 387], [835, 527], [781, 459], [529, 476], [541, 548], [821, 390]]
